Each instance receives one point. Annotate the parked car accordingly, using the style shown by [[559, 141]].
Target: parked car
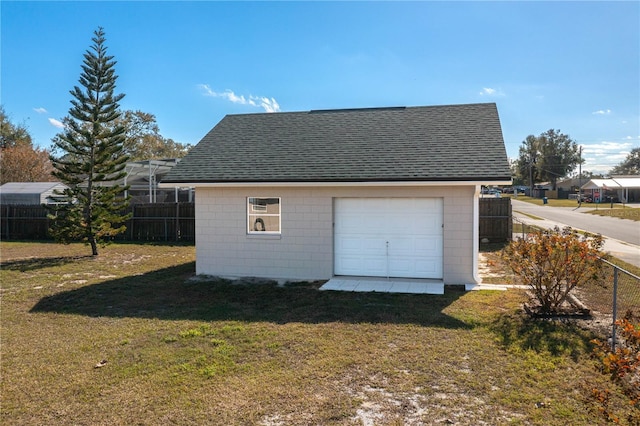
[[493, 191]]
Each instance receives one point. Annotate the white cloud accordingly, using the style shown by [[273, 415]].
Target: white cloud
[[206, 90], [267, 104], [606, 147], [488, 91], [40, 110], [602, 112], [56, 123], [600, 157]]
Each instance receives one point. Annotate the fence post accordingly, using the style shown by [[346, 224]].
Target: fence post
[[166, 230], [9, 214], [615, 308], [177, 218], [132, 221]]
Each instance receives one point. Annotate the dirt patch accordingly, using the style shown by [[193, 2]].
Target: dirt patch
[[492, 270], [439, 405], [128, 259]]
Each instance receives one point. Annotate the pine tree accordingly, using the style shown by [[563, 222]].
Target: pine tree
[[92, 159]]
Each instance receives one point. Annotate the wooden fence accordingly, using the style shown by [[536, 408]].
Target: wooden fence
[[24, 222], [176, 222], [149, 222], [496, 224]]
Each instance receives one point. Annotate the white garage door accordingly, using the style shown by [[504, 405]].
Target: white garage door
[[389, 237]]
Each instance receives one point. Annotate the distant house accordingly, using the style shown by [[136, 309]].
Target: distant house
[[625, 188], [29, 192], [570, 184], [377, 192]]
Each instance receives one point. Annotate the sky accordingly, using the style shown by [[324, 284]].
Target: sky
[[570, 66]]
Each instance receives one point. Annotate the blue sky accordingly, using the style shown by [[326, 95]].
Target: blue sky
[[572, 66]]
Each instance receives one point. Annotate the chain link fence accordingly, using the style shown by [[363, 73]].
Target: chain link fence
[[625, 295]]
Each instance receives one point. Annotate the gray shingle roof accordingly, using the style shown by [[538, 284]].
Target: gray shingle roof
[[432, 143]]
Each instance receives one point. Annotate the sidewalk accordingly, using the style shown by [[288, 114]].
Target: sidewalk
[[626, 252]]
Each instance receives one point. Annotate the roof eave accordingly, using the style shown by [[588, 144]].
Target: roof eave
[[325, 183]]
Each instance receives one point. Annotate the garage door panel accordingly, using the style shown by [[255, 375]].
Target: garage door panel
[[409, 268], [397, 237], [349, 223], [349, 244], [400, 267], [428, 246], [353, 265], [357, 245], [401, 246], [429, 268]]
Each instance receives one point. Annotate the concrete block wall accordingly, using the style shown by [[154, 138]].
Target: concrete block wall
[[304, 250]]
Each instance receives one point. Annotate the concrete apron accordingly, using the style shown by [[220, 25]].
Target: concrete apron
[[384, 285]]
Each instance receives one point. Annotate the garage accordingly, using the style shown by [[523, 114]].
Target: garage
[[388, 237]]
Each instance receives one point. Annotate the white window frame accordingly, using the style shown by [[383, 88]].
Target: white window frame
[[254, 211]]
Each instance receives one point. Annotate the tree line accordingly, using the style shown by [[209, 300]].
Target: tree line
[[553, 155], [22, 161]]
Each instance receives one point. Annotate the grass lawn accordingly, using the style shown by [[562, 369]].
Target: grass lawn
[[190, 352], [619, 212], [550, 202], [604, 209]]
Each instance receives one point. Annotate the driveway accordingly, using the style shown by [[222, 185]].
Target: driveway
[[622, 236]]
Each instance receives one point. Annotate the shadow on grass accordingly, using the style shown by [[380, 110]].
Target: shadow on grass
[[520, 332], [169, 294], [35, 263]]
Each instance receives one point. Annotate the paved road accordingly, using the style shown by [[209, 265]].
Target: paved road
[[622, 236]]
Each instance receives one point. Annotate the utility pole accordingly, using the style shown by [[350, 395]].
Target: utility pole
[[530, 177], [580, 176]]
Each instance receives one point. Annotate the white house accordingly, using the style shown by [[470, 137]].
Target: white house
[[377, 192], [29, 192], [626, 188]]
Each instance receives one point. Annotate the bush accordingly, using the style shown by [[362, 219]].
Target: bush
[[554, 262], [623, 367]]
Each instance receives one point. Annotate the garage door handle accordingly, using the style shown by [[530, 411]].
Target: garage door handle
[[387, 259]]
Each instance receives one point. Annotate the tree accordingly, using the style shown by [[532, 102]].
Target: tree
[[143, 140], [527, 161], [630, 165], [10, 134], [548, 157], [19, 160], [587, 175], [23, 163], [90, 209]]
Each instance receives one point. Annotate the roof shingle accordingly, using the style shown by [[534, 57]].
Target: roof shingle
[[432, 143]]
